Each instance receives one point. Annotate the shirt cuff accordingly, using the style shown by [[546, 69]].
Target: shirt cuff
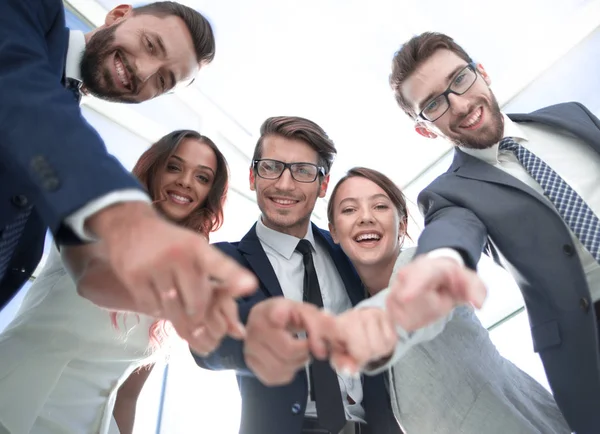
[[447, 252], [76, 221]]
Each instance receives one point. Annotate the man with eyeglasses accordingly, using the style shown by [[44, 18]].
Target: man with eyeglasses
[[524, 187], [296, 262]]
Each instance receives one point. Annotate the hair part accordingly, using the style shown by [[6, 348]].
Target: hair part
[[208, 216], [198, 26], [386, 184], [297, 128], [412, 54]]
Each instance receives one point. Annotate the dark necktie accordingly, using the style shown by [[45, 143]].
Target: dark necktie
[[323, 379], [9, 239], [574, 211], [74, 86]]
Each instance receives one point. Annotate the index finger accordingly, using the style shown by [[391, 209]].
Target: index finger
[[317, 324], [231, 276]]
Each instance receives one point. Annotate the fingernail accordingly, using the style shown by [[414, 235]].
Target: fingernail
[[190, 310], [247, 280], [198, 331], [349, 372]]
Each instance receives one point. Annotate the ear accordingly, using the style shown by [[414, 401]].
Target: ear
[[484, 74], [323, 186], [333, 233], [402, 228], [117, 14], [422, 129], [252, 180]]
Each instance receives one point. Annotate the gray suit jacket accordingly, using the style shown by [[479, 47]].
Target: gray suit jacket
[[473, 203], [448, 378]]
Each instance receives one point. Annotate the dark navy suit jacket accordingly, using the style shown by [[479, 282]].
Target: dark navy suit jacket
[[278, 410], [474, 202], [50, 157]]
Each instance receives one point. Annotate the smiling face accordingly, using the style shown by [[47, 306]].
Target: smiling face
[[473, 120], [186, 179], [134, 58], [286, 204], [366, 223]]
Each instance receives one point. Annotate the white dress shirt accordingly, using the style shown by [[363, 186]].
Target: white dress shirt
[[572, 159], [76, 221], [289, 269]]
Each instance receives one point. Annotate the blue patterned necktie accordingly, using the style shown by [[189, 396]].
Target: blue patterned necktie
[[9, 238], [74, 86], [575, 212]]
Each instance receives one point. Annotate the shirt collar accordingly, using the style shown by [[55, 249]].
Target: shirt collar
[[490, 155], [74, 53], [283, 244]]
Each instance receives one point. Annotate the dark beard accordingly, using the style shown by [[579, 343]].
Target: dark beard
[[486, 139], [97, 78]]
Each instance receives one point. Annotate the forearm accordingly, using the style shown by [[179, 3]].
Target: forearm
[[406, 340], [124, 414], [55, 154], [127, 397], [451, 226]]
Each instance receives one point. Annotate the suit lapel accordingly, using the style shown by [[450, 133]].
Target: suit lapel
[[254, 253], [467, 166]]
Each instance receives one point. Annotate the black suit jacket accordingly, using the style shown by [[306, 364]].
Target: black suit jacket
[[50, 157], [278, 410], [473, 203]]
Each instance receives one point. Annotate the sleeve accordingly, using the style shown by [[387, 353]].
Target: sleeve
[[54, 153], [406, 340], [230, 353], [450, 226], [76, 221]]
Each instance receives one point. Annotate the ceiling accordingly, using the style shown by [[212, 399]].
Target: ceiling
[[329, 60]]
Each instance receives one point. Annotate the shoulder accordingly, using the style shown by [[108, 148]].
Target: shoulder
[[49, 12], [230, 249]]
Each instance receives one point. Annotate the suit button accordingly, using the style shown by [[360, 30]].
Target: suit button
[[51, 183], [296, 407], [584, 304], [19, 201], [568, 249]]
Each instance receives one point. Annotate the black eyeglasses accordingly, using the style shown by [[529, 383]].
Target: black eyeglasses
[[301, 172], [462, 82]]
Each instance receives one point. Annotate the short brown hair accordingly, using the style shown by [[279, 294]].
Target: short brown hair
[[199, 27], [294, 127], [382, 181], [412, 54], [208, 217]]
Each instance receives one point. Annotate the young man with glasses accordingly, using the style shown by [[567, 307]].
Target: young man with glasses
[[524, 186], [296, 261]]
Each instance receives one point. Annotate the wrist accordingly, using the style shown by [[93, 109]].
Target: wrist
[[116, 216]]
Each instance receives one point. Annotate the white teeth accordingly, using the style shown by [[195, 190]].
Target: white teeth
[[473, 119], [121, 72], [181, 199], [284, 201], [364, 237]]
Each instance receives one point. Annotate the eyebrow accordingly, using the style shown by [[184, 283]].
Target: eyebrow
[[200, 166], [448, 78], [375, 196]]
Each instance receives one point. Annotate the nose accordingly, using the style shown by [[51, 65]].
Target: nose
[[146, 67], [458, 104], [285, 181], [365, 215], [185, 179]]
